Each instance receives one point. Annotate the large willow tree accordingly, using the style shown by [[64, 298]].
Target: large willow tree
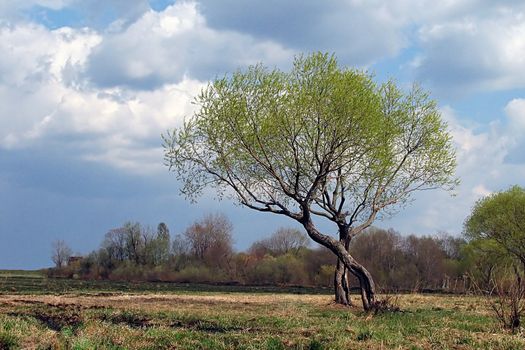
[[320, 141]]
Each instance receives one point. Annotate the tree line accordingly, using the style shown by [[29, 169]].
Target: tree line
[[204, 253]]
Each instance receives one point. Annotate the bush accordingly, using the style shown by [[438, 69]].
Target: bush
[[128, 271], [508, 301], [325, 276], [199, 274]]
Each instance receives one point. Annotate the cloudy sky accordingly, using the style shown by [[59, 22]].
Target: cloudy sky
[[87, 87]]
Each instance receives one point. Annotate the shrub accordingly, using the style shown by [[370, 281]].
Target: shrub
[[508, 301], [198, 274]]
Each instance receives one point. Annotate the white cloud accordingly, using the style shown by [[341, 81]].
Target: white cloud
[[163, 47], [475, 51], [455, 45], [47, 92], [13, 7], [359, 32], [515, 110], [481, 191], [43, 97], [33, 64], [110, 94]]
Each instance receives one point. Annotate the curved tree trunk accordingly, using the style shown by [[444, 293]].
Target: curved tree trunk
[[366, 282], [367, 286]]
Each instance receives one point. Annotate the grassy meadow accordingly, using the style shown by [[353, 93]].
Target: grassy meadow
[[41, 313]]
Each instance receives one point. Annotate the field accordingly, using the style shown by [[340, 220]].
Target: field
[[41, 313]]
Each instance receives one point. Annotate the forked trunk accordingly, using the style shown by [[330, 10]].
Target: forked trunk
[[366, 286], [366, 282], [342, 276]]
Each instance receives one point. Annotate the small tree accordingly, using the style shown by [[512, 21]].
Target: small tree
[[60, 253], [161, 245], [318, 141], [500, 218], [496, 230], [114, 246]]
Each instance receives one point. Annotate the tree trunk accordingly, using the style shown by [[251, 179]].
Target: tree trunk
[[366, 281], [342, 275], [367, 286], [341, 285]]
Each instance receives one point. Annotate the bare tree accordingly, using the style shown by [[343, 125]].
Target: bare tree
[[60, 253], [134, 241], [128, 243], [282, 241], [180, 245], [210, 239], [115, 245]]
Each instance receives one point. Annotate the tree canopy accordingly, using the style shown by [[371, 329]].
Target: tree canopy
[[497, 224]]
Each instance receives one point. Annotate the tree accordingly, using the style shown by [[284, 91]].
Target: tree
[[319, 141], [60, 253], [428, 257], [134, 241], [210, 240], [161, 245], [496, 232], [380, 250], [128, 242], [114, 245], [500, 219], [282, 241]]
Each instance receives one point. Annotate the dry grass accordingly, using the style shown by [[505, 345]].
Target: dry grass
[[244, 321]]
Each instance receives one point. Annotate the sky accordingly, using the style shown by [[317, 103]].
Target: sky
[[88, 86]]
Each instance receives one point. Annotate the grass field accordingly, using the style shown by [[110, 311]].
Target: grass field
[[185, 318]]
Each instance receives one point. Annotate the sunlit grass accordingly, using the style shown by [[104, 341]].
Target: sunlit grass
[[122, 315], [245, 321]]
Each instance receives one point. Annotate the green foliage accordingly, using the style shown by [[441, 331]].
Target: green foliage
[[496, 236], [497, 246], [497, 224], [319, 140]]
